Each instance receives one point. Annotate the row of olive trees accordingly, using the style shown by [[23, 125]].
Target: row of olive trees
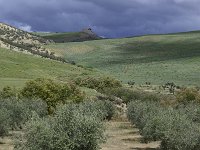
[[14, 113], [176, 127], [53, 115], [72, 127]]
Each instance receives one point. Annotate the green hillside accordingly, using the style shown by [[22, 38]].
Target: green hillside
[[153, 58], [68, 37], [16, 68]]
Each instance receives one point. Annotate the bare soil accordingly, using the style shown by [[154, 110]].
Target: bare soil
[[121, 135], [6, 144]]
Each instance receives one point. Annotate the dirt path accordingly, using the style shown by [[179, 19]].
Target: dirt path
[[121, 135], [6, 144]]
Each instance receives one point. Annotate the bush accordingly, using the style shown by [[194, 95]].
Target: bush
[[192, 110], [125, 94], [20, 110], [139, 112], [128, 95], [98, 84], [4, 121], [109, 109], [183, 135], [101, 109], [186, 96], [8, 92], [52, 93], [73, 127]]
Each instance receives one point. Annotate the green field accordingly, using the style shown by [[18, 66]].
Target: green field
[[153, 58], [16, 68]]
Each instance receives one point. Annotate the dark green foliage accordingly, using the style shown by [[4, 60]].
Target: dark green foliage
[[109, 109], [4, 121], [176, 128], [131, 83], [98, 83], [52, 93], [171, 86], [20, 110], [183, 135], [192, 110], [8, 92], [103, 109], [129, 95], [73, 127]]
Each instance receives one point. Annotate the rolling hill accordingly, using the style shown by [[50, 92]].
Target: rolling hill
[[22, 41], [16, 68], [84, 35], [152, 58], [24, 57], [16, 38]]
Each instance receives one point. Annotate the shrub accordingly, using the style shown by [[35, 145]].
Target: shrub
[[186, 96], [20, 110], [52, 93], [192, 110], [73, 127], [4, 121], [183, 135], [139, 112], [98, 83], [101, 109], [128, 95], [8, 92], [131, 82], [110, 109], [125, 94]]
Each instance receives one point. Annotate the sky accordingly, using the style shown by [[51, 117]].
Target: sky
[[108, 18]]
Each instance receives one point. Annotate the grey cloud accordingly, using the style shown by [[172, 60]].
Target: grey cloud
[[110, 18]]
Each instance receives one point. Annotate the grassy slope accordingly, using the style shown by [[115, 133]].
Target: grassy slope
[[154, 58], [66, 36], [16, 68]]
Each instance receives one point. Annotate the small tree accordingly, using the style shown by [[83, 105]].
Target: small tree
[[52, 92]]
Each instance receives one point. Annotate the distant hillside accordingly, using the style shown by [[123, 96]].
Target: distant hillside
[[152, 58], [18, 40], [14, 36], [84, 35], [16, 68]]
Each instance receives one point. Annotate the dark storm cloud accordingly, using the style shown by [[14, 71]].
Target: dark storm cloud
[[111, 18]]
